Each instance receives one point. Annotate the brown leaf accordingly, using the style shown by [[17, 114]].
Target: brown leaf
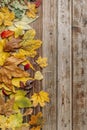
[[28, 112], [12, 44], [10, 70], [6, 108]]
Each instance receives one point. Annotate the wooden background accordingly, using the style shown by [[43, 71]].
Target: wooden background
[[63, 28]]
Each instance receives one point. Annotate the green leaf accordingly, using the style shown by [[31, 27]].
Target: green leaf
[[20, 93], [22, 102]]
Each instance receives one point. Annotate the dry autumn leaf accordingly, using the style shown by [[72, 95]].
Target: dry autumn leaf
[[36, 121], [29, 48], [3, 55], [28, 112], [29, 45], [32, 10], [10, 70], [16, 81], [38, 75], [12, 44], [42, 62], [4, 107], [6, 17], [40, 98]]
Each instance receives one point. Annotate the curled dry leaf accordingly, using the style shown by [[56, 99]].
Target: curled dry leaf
[[11, 69], [28, 112]]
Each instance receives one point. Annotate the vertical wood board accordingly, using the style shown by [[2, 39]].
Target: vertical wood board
[[64, 65]]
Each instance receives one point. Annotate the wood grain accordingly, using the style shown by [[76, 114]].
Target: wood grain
[[49, 50], [64, 65], [79, 65]]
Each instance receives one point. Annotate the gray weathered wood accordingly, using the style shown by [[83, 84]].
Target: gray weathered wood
[[79, 65], [64, 65], [49, 50]]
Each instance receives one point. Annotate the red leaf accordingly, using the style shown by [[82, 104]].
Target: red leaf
[[38, 3], [6, 34]]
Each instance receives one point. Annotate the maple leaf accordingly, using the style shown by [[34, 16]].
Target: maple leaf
[[4, 107], [10, 70], [36, 121], [6, 17], [40, 98], [42, 62], [12, 44], [32, 10]]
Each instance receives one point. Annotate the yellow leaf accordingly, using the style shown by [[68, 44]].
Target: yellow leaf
[[16, 81], [3, 55], [29, 35], [6, 17], [29, 48], [32, 10], [38, 75], [40, 98], [42, 62], [18, 32]]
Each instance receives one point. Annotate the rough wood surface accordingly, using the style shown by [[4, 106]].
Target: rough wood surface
[[49, 50], [64, 66], [79, 65]]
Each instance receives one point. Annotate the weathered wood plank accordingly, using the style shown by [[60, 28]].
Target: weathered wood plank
[[49, 50], [79, 65], [64, 65]]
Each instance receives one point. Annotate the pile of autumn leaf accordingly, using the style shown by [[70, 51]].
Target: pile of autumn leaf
[[18, 58]]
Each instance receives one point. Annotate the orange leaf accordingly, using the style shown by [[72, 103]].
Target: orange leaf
[[6, 34]]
